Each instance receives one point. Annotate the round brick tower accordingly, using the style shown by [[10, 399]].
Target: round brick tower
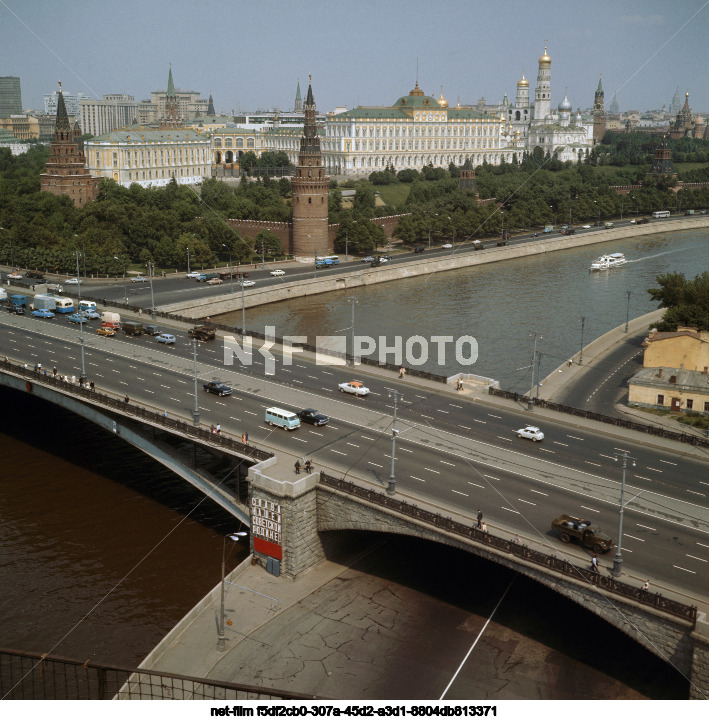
[[310, 191]]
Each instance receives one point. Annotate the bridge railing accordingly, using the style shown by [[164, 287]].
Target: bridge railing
[[553, 563], [619, 422], [33, 676], [45, 377]]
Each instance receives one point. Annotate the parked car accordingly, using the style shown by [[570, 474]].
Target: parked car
[[14, 276], [77, 318], [43, 313], [139, 279], [72, 281], [310, 415], [215, 281], [108, 332], [356, 388], [218, 388], [535, 235], [278, 271], [531, 432], [165, 338]]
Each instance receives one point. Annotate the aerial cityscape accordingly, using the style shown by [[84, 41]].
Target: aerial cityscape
[[457, 251]]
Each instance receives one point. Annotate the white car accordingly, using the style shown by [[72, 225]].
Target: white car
[[138, 279], [248, 283], [447, 245], [14, 276], [278, 272], [531, 432], [357, 388], [193, 274], [72, 281], [586, 226]]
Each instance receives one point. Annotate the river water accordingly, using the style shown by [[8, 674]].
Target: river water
[[102, 550], [500, 304]]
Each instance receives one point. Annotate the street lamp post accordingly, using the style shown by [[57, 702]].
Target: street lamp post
[[347, 240], [530, 402], [622, 203], [598, 222], [391, 489], [231, 270], [618, 560], [153, 314], [627, 311], [188, 258], [83, 257], [125, 287], [243, 309], [583, 322], [195, 413], [221, 638], [82, 377], [263, 257]]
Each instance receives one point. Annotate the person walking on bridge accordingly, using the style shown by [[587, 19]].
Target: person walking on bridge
[[480, 518], [297, 468]]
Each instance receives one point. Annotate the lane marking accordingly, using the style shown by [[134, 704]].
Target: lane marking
[[339, 453], [494, 416], [352, 444], [431, 469], [477, 421], [460, 493], [541, 493], [696, 558], [477, 485], [511, 510], [635, 538], [521, 500], [654, 469], [669, 463], [492, 478], [591, 463], [576, 438], [593, 510], [371, 463], [649, 528], [416, 478], [559, 443], [446, 463], [684, 569], [696, 493]]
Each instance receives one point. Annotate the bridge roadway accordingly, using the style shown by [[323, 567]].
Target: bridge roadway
[[454, 452]]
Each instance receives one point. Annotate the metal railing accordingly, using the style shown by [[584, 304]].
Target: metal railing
[[552, 563], [33, 676], [45, 377], [618, 422]]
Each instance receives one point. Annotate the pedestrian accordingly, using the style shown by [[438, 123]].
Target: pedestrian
[[570, 362], [25, 366], [517, 541], [646, 585], [594, 564], [297, 468], [35, 368], [126, 400], [212, 429], [164, 415], [243, 438], [460, 384], [39, 366], [140, 311], [308, 466], [93, 386], [218, 429], [480, 518], [484, 527], [246, 437], [73, 380], [54, 371], [402, 372]]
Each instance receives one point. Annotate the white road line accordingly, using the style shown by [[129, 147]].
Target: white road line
[[604, 456], [406, 450], [478, 421], [416, 478], [177, 400], [696, 493], [162, 386], [467, 428], [448, 464], [503, 438], [315, 378], [371, 463], [546, 450], [418, 396], [442, 411], [704, 483], [657, 470], [493, 416], [593, 510], [423, 416], [366, 438], [315, 433], [147, 391], [511, 510], [635, 538], [521, 500], [123, 383], [559, 443], [576, 438], [591, 463], [453, 405], [460, 493], [541, 493], [491, 478], [352, 444], [649, 528], [251, 413], [327, 373], [301, 440], [220, 403], [645, 478], [684, 569], [295, 380], [669, 463], [696, 558], [703, 545], [339, 453], [431, 469], [477, 485]]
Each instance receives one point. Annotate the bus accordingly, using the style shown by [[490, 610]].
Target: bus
[[327, 260], [661, 214]]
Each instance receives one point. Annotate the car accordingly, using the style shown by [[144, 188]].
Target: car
[[139, 279], [72, 281], [77, 318], [151, 330], [247, 283], [632, 222], [531, 432], [356, 388], [368, 259], [535, 235], [16, 309], [43, 313], [447, 245], [218, 388], [278, 271], [14, 276], [108, 332], [310, 415], [586, 226], [215, 281], [193, 274], [383, 259], [419, 249], [165, 338], [91, 314]]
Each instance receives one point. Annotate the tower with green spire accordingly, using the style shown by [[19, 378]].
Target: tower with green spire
[[298, 100], [171, 117], [210, 107]]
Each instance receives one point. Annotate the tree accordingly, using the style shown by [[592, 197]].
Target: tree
[[247, 161], [687, 301], [364, 200], [270, 243]]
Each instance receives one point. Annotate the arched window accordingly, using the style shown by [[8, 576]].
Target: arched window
[[228, 143], [217, 142], [250, 143]]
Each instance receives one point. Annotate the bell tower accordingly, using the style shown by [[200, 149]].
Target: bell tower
[[599, 114], [310, 190]]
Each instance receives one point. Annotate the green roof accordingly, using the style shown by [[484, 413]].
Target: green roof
[[399, 113], [147, 136]]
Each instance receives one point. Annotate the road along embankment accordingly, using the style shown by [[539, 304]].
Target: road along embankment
[[255, 296]]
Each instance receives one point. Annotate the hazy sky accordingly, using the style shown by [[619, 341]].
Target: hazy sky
[[250, 54]]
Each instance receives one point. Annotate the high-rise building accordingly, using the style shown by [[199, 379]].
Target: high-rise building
[[10, 97], [98, 117], [66, 173], [71, 102], [310, 190]]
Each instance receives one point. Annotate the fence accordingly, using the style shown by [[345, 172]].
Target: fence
[[33, 676], [552, 563], [619, 422], [45, 377]]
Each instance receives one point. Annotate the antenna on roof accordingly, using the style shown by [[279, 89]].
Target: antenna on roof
[[417, 71]]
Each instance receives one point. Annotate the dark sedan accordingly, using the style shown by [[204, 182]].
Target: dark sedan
[[310, 415], [218, 388]]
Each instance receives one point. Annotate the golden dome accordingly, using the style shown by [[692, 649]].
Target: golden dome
[[523, 83], [442, 101], [544, 59]]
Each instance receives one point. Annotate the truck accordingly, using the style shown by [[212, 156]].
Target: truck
[[43, 301], [133, 328], [608, 224], [586, 533], [204, 277], [203, 332], [548, 228], [34, 274], [19, 301], [110, 320]]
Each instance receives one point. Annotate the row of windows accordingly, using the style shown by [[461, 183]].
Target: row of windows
[[417, 161], [197, 172], [143, 158], [373, 145], [688, 404], [416, 131], [234, 143]]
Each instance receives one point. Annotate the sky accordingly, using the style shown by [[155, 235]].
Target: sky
[[250, 54]]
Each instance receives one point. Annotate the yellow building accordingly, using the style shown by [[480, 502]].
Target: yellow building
[[150, 157], [675, 375]]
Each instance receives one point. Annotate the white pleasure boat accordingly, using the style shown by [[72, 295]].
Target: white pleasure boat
[[612, 260]]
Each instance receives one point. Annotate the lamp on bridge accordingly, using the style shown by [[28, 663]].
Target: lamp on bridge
[[391, 489], [618, 560], [221, 639]]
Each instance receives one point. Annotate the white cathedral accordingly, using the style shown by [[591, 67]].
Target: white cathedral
[[531, 125]]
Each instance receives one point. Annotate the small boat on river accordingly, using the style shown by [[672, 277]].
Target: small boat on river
[[605, 262]]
